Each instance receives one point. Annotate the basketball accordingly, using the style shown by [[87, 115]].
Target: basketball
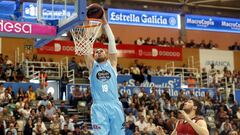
[[95, 11]]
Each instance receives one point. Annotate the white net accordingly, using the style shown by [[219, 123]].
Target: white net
[[84, 36]]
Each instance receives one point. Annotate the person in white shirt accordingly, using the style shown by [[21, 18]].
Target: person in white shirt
[[140, 41], [179, 41], [151, 128], [5, 97], [131, 117], [141, 123]]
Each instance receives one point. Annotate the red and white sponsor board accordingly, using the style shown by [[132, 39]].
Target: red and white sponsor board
[[61, 47]]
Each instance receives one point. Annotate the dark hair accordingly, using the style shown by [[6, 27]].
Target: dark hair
[[197, 103]]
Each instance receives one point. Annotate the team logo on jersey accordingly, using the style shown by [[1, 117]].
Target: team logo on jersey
[[103, 75]]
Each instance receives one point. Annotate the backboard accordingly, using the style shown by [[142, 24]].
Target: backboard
[[43, 20]]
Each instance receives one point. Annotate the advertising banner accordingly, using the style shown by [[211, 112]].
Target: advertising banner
[[157, 81], [25, 28], [219, 58], [211, 23], [61, 47], [136, 89], [56, 11], [143, 18]]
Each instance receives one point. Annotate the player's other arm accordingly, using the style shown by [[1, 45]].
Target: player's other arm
[[175, 130], [200, 127], [112, 50]]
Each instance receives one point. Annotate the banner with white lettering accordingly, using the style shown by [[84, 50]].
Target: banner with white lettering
[[211, 23], [158, 91], [219, 58], [64, 47], [49, 11], [157, 81], [143, 18], [24, 29]]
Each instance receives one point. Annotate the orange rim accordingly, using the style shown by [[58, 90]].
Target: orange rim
[[93, 25]]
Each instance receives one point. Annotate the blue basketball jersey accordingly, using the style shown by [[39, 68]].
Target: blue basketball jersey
[[103, 82]]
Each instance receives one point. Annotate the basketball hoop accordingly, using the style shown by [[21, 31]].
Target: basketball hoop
[[85, 35]]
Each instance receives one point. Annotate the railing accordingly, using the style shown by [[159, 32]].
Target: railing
[[183, 72], [52, 69]]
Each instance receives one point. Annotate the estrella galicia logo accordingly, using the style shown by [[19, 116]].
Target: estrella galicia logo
[[103, 75], [172, 21]]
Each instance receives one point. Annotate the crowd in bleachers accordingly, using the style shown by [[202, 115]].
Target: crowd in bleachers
[[176, 43], [35, 111]]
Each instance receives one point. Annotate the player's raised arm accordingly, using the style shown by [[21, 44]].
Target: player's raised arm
[[112, 50]]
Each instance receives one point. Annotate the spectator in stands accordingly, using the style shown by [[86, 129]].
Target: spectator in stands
[[55, 126], [128, 130], [172, 43], [85, 130], [31, 93], [28, 128], [64, 81], [44, 101], [164, 42], [77, 130], [72, 65], [140, 41], [141, 123], [180, 42], [2, 125], [77, 95], [118, 40], [153, 41], [151, 127], [191, 44], [226, 129], [63, 108], [11, 129], [168, 73], [210, 44], [65, 130], [136, 73], [147, 41], [1, 58], [159, 71], [158, 41], [9, 73], [49, 112], [39, 129], [202, 44], [2, 89], [40, 92], [235, 46], [4, 98], [20, 93], [191, 82], [132, 109], [119, 69]]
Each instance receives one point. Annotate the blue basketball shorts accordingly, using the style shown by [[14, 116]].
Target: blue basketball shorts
[[107, 118]]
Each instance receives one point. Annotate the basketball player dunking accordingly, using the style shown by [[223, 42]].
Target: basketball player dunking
[[107, 115], [191, 124]]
